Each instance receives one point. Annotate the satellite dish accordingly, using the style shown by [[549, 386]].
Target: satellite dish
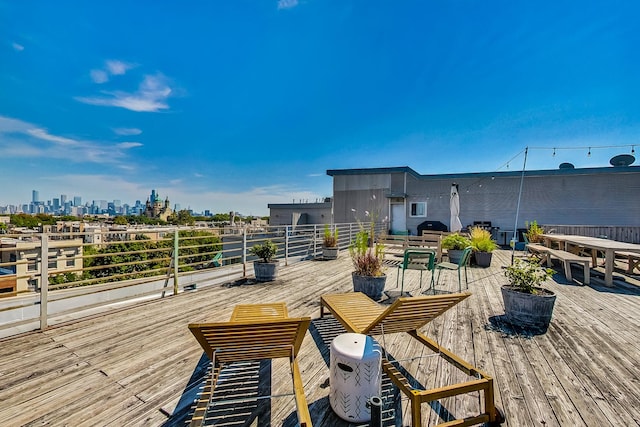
[[622, 160], [566, 166]]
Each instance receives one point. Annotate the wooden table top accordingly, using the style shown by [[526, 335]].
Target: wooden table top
[[271, 311]]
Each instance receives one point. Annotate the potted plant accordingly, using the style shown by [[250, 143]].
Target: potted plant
[[265, 270], [525, 302], [454, 244], [534, 232], [483, 246], [368, 275], [330, 243]]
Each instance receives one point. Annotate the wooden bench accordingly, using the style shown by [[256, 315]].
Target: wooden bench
[[566, 258], [633, 260], [395, 245]]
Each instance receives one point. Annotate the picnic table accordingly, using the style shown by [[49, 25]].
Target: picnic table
[[608, 247]]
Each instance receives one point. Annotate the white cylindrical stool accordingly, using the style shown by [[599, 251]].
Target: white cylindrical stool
[[355, 375]]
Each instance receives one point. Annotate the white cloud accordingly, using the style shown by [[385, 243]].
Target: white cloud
[[127, 131], [287, 4], [112, 67], [99, 76], [126, 145], [19, 139], [17, 47], [43, 134], [118, 68], [151, 96]]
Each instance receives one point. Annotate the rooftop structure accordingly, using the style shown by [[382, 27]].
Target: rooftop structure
[[569, 196]]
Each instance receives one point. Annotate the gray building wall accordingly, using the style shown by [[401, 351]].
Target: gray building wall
[[299, 213], [590, 196]]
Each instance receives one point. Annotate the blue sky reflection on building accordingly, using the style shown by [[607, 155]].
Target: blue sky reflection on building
[[230, 106]]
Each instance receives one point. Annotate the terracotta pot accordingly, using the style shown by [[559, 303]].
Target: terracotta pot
[[528, 310]]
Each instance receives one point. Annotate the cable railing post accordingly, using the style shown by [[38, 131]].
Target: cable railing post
[[286, 245], [175, 262], [315, 240], [244, 252], [44, 280]]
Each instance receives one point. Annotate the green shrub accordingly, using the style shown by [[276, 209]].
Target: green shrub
[[455, 241], [266, 251], [526, 276], [481, 240]]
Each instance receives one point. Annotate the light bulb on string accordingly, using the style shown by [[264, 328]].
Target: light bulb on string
[[554, 151], [589, 153], [633, 151]]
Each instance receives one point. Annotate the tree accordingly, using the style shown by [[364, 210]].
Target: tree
[[182, 218], [120, 220]]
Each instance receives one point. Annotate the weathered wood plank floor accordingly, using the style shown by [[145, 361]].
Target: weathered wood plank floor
[[142, 366]]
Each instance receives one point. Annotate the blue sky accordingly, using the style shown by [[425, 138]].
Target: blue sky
[[234, 105]]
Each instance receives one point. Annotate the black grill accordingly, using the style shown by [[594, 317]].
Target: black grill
[[431, 226]]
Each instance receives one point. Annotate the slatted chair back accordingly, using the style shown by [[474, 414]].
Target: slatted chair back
[[253, 340], [412, 313]]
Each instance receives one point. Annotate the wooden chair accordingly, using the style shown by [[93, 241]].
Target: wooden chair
[[255, 332], [360, 314]]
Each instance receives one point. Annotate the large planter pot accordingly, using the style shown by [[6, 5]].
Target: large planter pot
[[265, 271], [483, 259], [371, 286], [454, 255], [329, 253], [528, 310]]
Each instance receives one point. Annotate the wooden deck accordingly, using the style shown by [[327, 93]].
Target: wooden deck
[[141, 365]]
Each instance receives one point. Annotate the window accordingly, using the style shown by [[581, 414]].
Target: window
[[418, 209], [31, 264], [71, 261]]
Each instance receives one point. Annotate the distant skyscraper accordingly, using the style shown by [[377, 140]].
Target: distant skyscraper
[[63, 199], [35, 196], [176, 207], [77, 201]]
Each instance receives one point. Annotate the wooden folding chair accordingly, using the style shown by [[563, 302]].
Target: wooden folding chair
[[360, 314], [255, 332]]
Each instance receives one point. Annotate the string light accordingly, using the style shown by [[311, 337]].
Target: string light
[[554, 151], [633, 151], [589, 153]]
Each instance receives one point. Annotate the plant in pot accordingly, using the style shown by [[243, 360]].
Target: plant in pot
[[455, 244], [483, 246], [368, 275], [330, 243], [266, 269], [534, 232], [526, 303]]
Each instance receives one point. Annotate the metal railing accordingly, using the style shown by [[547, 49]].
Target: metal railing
[[50, 278]]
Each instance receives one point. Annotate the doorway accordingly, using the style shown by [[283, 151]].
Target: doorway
[[398, 219]]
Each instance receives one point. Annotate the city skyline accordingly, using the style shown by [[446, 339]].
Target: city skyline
[[232, 106]]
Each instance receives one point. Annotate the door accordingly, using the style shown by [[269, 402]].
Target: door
[[398, 219]]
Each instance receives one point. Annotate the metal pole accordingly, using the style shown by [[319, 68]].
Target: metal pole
[[515, 226], [175, 262], [286, 244], [44, 280], [244, 252], [375, 404]]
